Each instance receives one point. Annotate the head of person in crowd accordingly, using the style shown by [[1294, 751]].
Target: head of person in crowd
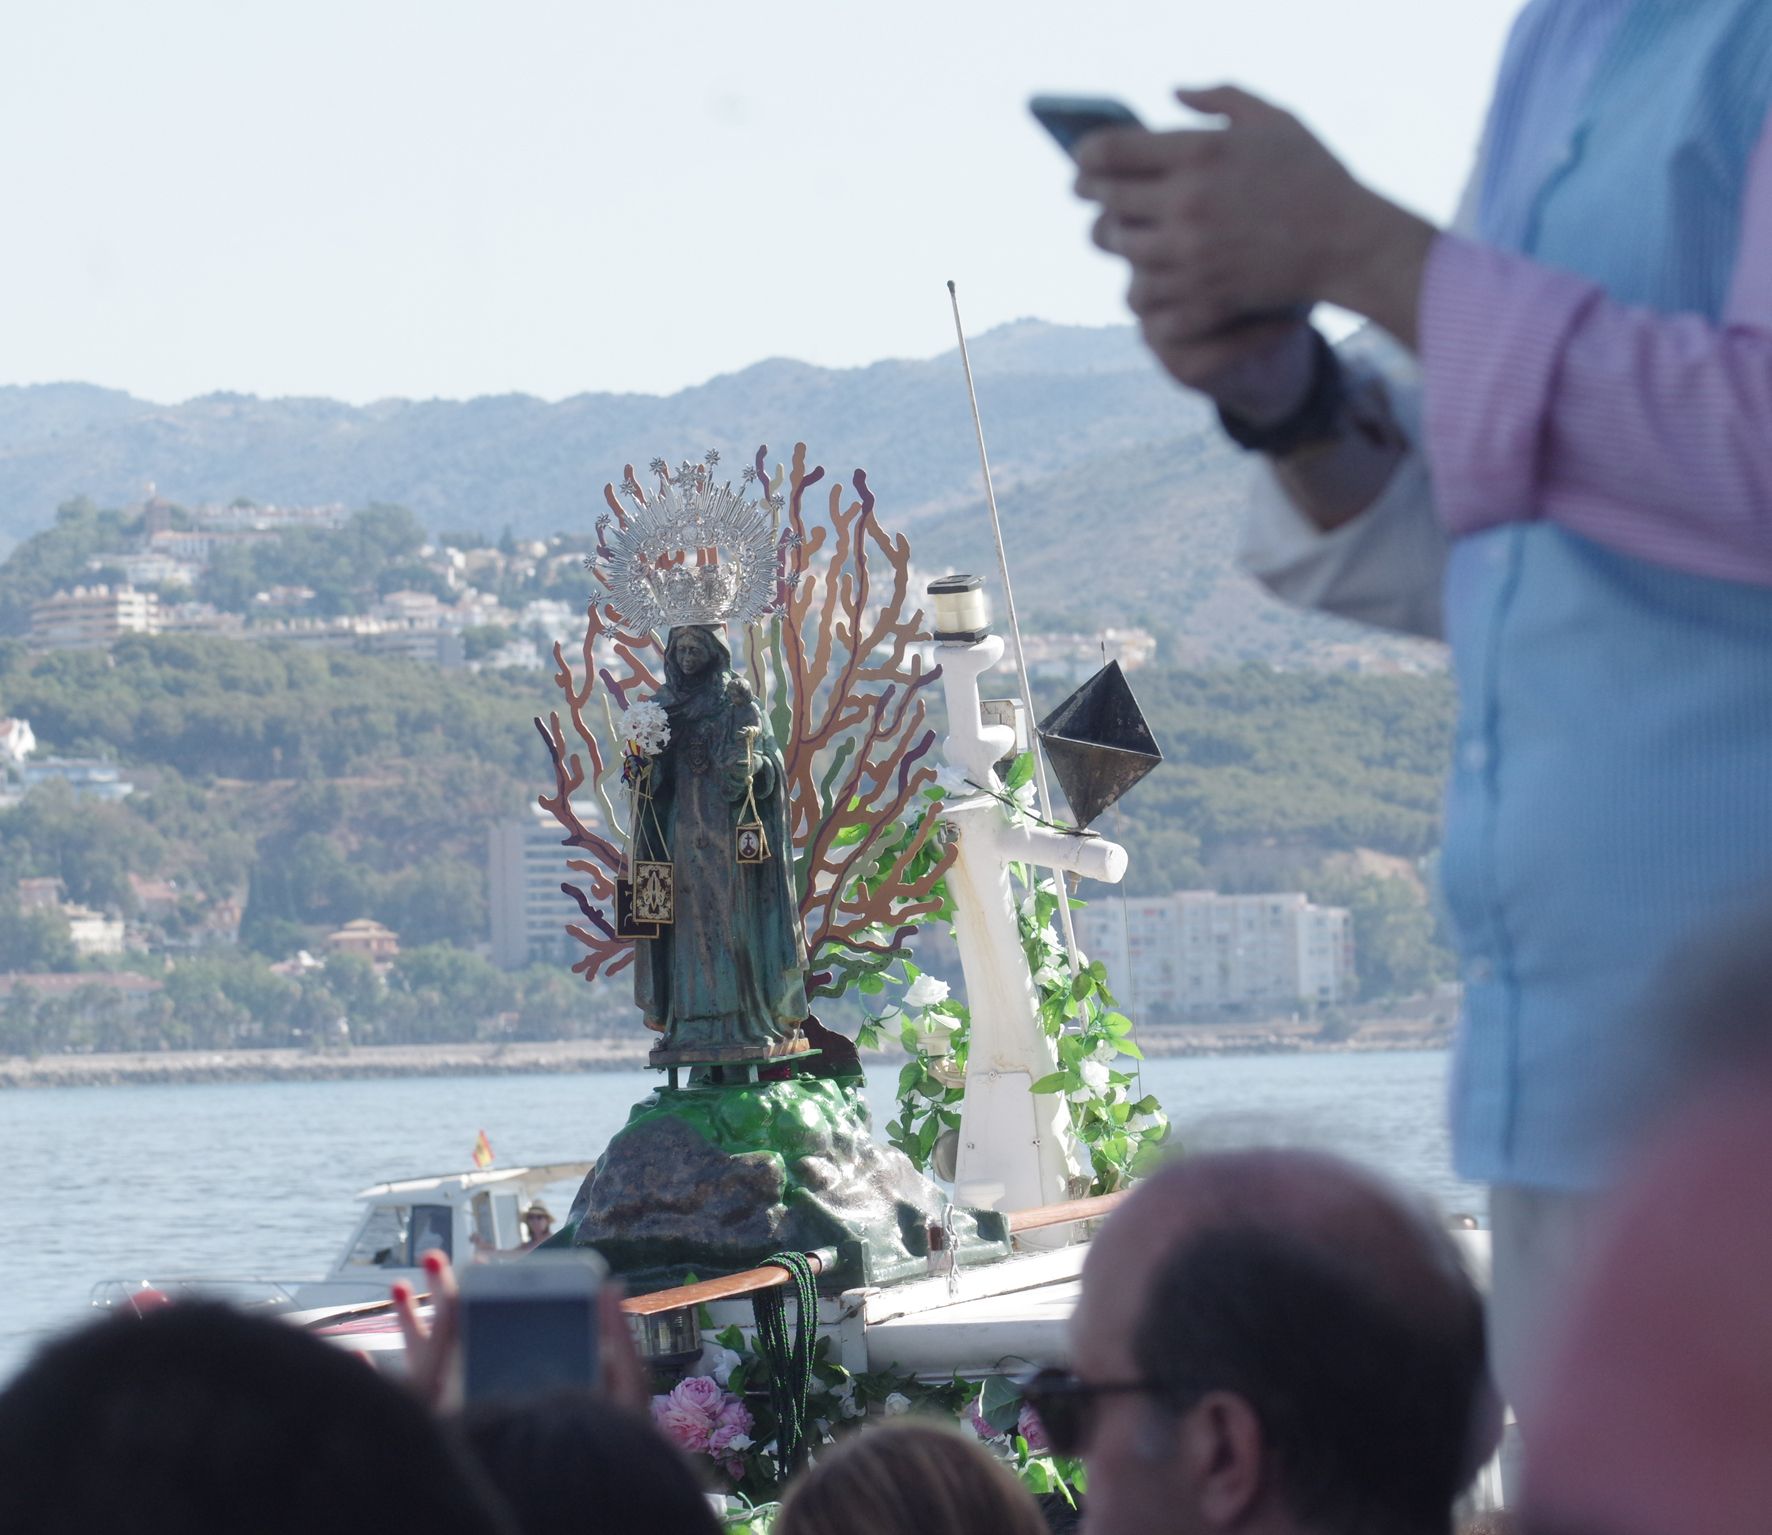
[[1656, 1412], [1273, 1341], [568, 1463], [909, 1478], [195, 1418]]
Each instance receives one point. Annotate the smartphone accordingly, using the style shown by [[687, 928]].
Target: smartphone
[[530, 1325], [1071, 119]]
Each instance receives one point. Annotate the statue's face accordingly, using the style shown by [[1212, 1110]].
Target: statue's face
[[692, 653]]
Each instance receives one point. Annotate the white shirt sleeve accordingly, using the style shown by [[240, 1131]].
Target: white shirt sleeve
[[1385, 567]]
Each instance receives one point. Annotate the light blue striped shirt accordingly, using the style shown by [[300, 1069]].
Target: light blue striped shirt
[[1611, 790]]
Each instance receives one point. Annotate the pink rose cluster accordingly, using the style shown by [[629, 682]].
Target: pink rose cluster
[[699, 1417]]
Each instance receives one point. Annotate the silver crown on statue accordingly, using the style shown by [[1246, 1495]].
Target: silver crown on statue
[[693, 552]]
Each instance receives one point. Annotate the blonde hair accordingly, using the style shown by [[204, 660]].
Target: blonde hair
[[909, 1478]]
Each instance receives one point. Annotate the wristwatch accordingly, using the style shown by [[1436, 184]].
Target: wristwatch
[[1317, 418]]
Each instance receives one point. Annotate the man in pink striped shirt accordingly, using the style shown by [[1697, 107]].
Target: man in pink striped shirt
[[1571, 483]]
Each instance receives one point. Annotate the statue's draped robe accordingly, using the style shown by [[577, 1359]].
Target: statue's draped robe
[[731, 969]]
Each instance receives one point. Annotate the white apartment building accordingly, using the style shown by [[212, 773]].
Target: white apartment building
[[93, 933], [527, 865], [148, 568], [93, 617], [1197, 953]]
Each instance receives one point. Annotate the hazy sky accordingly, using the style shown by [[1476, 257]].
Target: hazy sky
[[363, 198]]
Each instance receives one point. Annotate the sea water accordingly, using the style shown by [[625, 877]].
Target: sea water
[[256, 1179]]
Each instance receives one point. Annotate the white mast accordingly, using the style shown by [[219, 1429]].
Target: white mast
[[1044, 803]]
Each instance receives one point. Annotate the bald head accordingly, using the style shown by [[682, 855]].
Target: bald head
[[1390, 1245], [1339, 1312]]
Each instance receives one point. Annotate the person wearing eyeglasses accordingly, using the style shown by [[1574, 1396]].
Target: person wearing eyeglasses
[[1272, 1341]]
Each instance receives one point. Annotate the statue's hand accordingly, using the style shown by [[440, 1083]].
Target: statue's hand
[[760, 781]]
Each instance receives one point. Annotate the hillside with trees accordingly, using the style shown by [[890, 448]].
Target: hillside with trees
[[311, 788]]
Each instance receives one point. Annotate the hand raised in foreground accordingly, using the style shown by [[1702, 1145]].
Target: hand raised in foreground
[[1220, 224], [433, 1349]]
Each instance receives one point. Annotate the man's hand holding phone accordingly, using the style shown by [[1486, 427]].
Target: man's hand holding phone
[[1221, 223], [1255, 362]]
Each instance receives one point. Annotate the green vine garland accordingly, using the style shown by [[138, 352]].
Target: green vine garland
[[1123, 1135]]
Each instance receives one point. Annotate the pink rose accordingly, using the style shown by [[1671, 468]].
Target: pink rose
[[977, 1421], [699, 1394], [684, 1427], [732, 1430], [1029, 1426]]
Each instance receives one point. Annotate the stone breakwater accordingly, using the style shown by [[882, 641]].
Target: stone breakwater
[[541, 1058], [1269, 1037]]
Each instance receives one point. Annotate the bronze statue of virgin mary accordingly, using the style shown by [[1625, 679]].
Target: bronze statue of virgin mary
[[728, 973]]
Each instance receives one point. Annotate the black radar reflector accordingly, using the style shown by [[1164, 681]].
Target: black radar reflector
[[1098, 743]]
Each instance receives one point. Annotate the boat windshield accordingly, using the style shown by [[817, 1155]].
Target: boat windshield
[[398, 1236]]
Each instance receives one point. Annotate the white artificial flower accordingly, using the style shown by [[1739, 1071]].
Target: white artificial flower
[[647, 726], [1107, 1052], [945, 1023], [1095, 1081], [716, 1362], [1048, 976], [739, 1443], [1026, 795], [896, 1405], [924, 992], [952, 780], [1142, 1122]]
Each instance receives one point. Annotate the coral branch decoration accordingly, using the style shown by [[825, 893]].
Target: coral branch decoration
[[620, 664], [835, 646]]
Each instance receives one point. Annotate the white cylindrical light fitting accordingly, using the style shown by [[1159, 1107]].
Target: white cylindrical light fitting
[[962, 616]]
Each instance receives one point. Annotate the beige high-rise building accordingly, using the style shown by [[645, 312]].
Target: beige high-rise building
[[93, 617], [526, 865]]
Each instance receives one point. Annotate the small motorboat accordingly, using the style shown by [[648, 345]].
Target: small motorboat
[[466, 1216]]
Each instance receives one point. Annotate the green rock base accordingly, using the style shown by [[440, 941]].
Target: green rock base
[[709, 1180]]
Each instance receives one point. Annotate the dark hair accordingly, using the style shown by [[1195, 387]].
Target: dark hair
[[571, 1464], [196, 1418], [908, 1478], [1367, 1405]]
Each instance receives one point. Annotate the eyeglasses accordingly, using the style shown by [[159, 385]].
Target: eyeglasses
[[1065, 1403]]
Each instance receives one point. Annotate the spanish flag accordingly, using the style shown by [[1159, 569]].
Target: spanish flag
[[482, 1151]]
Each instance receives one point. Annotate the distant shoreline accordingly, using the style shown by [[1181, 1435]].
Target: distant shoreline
[[549, 1057]]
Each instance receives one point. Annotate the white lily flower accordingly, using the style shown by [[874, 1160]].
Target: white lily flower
[[924, 992], [716, 1362], [1094, 1084]]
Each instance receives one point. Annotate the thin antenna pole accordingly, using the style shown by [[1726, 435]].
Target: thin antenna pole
[[1021, 660]]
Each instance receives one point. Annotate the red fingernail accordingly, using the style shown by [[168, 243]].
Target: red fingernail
[[401, 1291], [433, 1262]]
